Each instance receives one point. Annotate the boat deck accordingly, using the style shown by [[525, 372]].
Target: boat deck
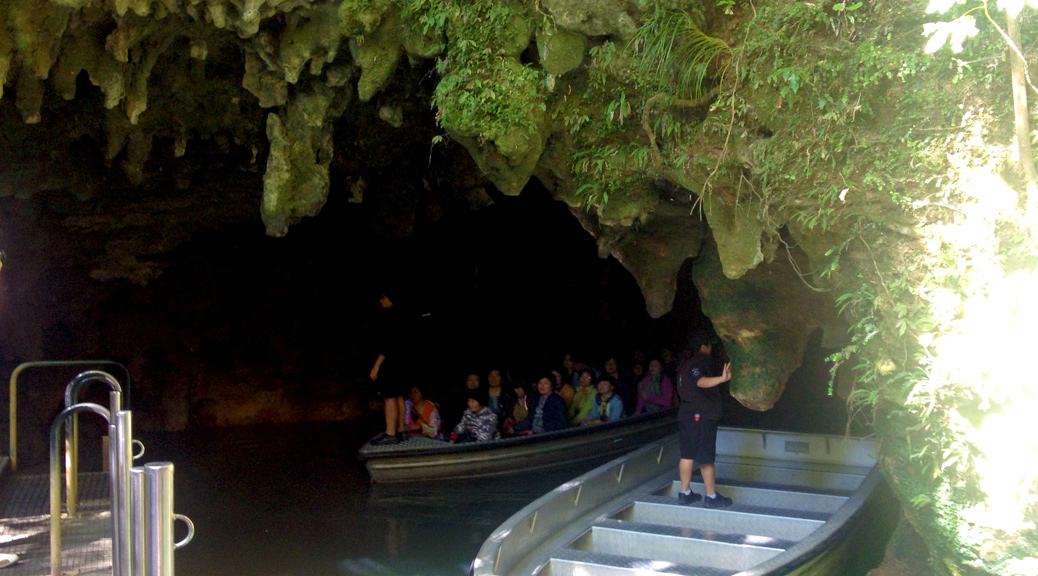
[[25, 525]]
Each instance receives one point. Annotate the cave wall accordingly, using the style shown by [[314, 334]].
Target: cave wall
[[818, 138]]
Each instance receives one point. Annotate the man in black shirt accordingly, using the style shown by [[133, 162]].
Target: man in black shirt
[[698, 417], [388, 372]]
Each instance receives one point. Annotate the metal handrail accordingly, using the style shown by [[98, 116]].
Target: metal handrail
[[141, 507], [72, 432], [47, 364], [55, 476]]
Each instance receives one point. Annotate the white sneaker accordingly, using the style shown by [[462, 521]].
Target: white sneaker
[[7, 559]]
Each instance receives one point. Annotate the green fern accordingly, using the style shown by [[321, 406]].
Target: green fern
[[675, 54]]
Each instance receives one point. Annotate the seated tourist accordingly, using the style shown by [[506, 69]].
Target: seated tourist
[[453, 404], [562, 388], [520, 409], [547, 411], [472, 381], [583, 399], [569, 371], [423, 417], [478, 423], [499, 398], [624, 387], [608, 407], [656, 392]]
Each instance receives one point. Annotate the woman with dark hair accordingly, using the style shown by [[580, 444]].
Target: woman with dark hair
[[499, 397], [561, 387], [424, 417], [623, 386], [520, 408], [547, 412], [656, 391]]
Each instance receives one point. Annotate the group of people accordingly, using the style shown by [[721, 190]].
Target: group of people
[[575, 394], [480, 411]]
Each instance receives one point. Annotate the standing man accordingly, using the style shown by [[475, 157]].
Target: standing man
[[698, 417], [387, 372]]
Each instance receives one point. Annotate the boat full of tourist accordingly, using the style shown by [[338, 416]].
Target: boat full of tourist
[[421, 458], [799, 500]]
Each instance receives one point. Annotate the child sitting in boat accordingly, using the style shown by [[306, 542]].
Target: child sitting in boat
[[478, 423], [423, 417], [608, 406]]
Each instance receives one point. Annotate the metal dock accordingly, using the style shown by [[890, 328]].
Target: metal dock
[[118, 522], [25, 525]]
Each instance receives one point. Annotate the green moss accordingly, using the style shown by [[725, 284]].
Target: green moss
[[296, 181], [378, 55], [360, 17], [487, 99], [738, 233], [270, 88], [560, 50], [314, 40]]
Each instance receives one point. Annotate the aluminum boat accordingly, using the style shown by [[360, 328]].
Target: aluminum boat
[[798, 500]]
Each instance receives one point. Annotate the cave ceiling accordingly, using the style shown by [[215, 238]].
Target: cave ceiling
[[147, 122]]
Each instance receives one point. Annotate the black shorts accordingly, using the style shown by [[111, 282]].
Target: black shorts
[[390, 383], [697, 440]]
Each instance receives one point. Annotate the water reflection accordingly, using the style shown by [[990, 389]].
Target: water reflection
[[293, 500]]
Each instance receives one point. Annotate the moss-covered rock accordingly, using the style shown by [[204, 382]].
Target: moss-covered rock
[[592, 17], [377, 55], [560, 50], [764, 318], [737, 230], [296, 182], [654, 253], [313, 39]]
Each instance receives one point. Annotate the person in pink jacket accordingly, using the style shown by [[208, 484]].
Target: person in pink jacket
[[656, 391]]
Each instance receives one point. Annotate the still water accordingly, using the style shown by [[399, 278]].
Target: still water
[[292, 500]]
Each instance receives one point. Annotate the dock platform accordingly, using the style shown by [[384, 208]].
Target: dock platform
[[25, 525]]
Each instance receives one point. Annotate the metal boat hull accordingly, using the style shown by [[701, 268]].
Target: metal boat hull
[[798, 497], [422, 459]]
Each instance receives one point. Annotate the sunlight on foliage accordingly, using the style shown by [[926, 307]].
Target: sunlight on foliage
[[953, 33]]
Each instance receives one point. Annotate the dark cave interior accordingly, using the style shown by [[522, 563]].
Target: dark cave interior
[[514, 286]]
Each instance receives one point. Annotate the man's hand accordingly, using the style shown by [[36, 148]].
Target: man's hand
[[374, 374], [727, 374]]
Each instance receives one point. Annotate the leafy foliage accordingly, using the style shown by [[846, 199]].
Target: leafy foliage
[[675, 54]]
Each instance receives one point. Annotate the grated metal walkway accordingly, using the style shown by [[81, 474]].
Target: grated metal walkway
[[25, 525]]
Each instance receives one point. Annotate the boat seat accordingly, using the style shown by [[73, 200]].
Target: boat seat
[[570, 562], [768, 496], [805, 476], [692, 532], [767, 523]]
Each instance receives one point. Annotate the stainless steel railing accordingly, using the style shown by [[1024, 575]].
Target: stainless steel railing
[[72, 431], [13, 436], [141, 498]]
